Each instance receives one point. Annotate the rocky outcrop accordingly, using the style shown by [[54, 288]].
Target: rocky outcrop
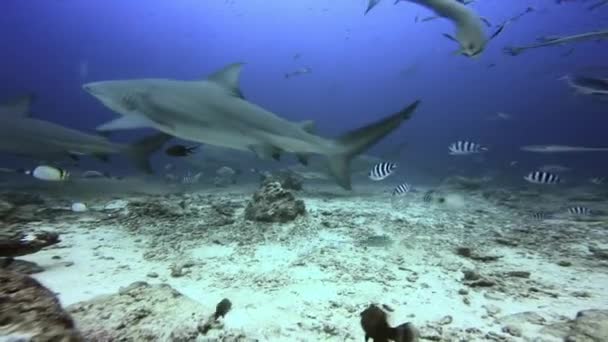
[[272, 203], [224, 176], [20, 244], [23, 244], [143, 312], [31, 312], [587, 326], [6, 208]]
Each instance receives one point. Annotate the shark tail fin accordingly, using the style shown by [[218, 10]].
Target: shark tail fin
[[353, 143], [308, 126], [140, 151]]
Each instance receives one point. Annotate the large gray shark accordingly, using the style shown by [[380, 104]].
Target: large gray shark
[[23, 135], [214, 111]]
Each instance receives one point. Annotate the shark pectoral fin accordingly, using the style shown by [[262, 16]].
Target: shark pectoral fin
[[141, 150], [308, 126], [126, 122], [266, 152], [303, 158], [450, 37], [18, 106], [229, 78]]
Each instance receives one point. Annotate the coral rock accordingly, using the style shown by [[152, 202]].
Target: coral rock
[[272, 203], [31, 312]]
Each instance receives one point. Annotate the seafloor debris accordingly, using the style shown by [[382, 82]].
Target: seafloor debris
[[31, 312], [467, 252], [272, 203], [588, 325], [139, 312]]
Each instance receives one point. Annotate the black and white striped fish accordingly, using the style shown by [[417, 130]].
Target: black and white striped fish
[[382, 170], [402, 189], [582, 211], [190, 178], [463, 147], [540, 216], [540, 177], [428, 196]]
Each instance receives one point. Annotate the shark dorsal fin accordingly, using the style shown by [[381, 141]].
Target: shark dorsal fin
[[18, 106], [228, 77]]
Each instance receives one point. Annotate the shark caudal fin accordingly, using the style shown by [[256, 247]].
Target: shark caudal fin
[[357, 141], [140, 151]]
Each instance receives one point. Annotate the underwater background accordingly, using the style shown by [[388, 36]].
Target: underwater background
[[469, 250], [362, 67]]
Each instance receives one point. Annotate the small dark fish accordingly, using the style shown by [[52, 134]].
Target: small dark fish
[[382, 170], [180, 150], [375, 326], [567, 53], [579, 211], [541, 177], [598, 180], [433, 17], [298, 72], [222, 308]]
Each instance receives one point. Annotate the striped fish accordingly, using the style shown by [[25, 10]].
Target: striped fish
[[190, 178], [382, 170], [402, 189], [598, 180], [428, 196], [540, 177], [579, 211], [463, 147], [540, 216]]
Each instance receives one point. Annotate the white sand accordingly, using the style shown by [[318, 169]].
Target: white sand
[[314, 287]]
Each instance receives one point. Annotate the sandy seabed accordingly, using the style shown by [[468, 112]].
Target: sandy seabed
[[476, 267]]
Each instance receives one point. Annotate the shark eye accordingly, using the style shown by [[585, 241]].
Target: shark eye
[[129, 102]]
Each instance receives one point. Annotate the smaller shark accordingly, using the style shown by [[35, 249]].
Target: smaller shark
[[214, 111], [561, 149], [22, 135], [558, 40], [469, 29]]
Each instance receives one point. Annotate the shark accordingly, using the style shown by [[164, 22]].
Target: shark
[[25, 136], [561, 149], [469, 29], [558, 40], [213, 110]]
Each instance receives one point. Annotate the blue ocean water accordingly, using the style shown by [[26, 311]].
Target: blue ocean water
[[363, 67], [459, 245]]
